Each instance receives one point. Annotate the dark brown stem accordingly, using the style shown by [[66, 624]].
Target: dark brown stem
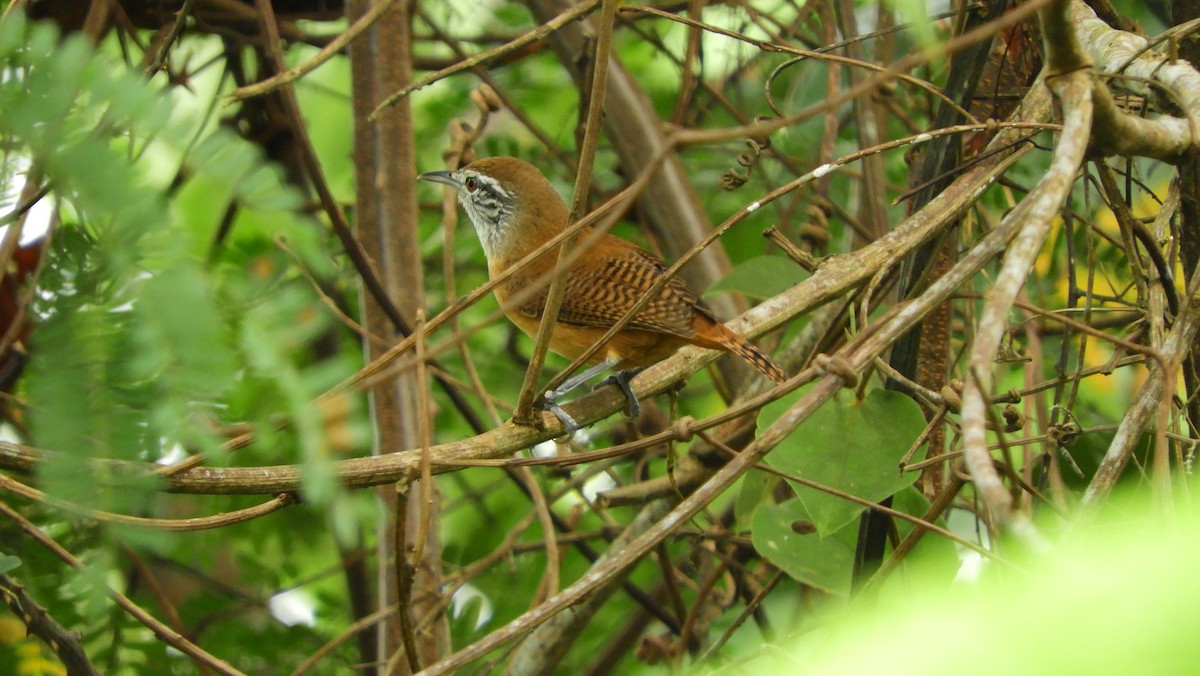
[[38, 622]]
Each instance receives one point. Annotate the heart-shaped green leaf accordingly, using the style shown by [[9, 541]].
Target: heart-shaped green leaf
[[754, 490], [8, 562], [784, 534], [853, 446], [761, 277]]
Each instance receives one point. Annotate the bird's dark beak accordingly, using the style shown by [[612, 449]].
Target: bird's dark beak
[[446, 177]]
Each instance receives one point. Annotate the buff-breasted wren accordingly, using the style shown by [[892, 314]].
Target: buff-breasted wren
[[515, 210]]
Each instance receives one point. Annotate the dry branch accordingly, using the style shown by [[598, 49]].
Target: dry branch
[[1168, 138], [838, 275]]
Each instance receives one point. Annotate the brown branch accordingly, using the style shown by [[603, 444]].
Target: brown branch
[[160, 57], [557, 292], [573, 14], [335, 46], [838, 275], [37, 621], [1032, 216], [408, 551], [175, 525], [1166, 138]]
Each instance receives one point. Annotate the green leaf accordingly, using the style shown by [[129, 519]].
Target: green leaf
[[8, 562], [1044, 618], [853, 446], [181, 335], [265, 356], [754, 490], [916, 14], [934, 554], [784, 534], [72, 405], [761, 277]]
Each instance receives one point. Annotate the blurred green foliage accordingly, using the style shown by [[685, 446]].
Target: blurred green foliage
[[146, 342], [1108, 600], [143, 346]]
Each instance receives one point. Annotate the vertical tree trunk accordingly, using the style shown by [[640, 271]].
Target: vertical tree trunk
[[1189, 221], [386, 224]]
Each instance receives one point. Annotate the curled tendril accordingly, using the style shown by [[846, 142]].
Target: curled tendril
[[733, 179], [463, 134], [486, 99], [815, 229]]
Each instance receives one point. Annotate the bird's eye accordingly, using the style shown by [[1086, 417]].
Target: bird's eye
[[471, 183]]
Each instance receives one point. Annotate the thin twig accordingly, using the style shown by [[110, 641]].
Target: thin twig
[[286, 76], [65, 644], [163, 632], [557, 292], [175, 525], [176, 30], [574, 14]]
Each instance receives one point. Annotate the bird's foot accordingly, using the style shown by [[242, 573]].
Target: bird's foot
[[550, 398], [621, 379], [569, 424]]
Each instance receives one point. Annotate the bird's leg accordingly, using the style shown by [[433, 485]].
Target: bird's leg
[[621, 380], [551, 397], [580, 378], [563, 417]]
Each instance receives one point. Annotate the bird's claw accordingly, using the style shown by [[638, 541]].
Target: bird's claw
[[569, 424], [620, 379], [633, 408]]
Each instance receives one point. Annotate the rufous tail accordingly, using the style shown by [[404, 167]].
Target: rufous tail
[[756, 357]]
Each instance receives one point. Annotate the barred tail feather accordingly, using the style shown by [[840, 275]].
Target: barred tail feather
[[708, 332], [758, 359]]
